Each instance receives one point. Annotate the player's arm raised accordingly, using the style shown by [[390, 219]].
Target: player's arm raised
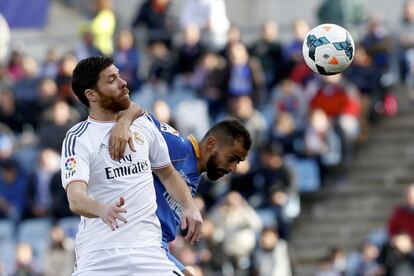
[[81, 204], [179, 191], [120, 133]]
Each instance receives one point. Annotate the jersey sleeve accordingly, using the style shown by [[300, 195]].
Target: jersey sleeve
[[158, 149], [75, 161]]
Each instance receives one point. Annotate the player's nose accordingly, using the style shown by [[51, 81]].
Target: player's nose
[[233, 167], [123, 83]]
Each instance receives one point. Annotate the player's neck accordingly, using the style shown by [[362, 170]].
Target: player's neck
[[202, 161], [102, 115]]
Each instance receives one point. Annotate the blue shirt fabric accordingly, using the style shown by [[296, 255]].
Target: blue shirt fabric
[[183, 156]]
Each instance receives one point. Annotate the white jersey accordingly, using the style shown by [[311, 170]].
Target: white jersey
[[85, 157]]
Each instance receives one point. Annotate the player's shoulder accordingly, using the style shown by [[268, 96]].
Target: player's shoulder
[[78, 129]]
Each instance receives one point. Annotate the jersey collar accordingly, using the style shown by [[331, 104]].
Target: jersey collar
[[90, 118], [196, 148]]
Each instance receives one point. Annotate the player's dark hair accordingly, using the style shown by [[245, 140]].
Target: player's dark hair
[[86, 75], [228, 131]]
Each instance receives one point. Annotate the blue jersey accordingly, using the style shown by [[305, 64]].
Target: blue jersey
[[183, 153]]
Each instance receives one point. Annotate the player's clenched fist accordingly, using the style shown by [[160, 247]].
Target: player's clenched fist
[[111, 212], [192, 221]]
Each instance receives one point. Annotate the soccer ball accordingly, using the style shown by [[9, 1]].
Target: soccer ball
[[328, 49]]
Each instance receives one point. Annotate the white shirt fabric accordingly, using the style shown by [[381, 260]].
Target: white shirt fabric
[[85, 157]]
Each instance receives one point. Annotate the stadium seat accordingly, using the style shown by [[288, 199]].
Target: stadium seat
[[70, 225], [35, 232], [6, 230], [7, 244], [307, 173]]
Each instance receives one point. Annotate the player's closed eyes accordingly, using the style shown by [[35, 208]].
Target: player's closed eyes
[[232, 159]]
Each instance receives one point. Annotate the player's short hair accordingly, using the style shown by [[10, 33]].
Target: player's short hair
[[229, 131], [86, 75]]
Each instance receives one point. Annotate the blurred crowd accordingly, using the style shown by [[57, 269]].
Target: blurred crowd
[[191, 71], [387, 251]]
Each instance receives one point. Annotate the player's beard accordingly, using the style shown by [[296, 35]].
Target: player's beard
[[213, 169], [114, 104]]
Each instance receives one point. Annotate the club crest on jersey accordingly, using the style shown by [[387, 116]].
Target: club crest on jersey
[[138, 138], [70, 166]]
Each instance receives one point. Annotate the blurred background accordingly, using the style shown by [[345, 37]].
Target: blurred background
[[328, 186]]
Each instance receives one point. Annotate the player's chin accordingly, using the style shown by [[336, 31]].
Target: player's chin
[[126, 102], [216, 175]]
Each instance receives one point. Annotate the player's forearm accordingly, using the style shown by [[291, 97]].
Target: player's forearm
[[175, 185], [83, 205], [133, 112]]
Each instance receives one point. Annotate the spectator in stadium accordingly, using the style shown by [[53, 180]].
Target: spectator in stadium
[[285, 131], [242, 108], [103, 26], [233, 37], [340, 100], [406, 47], [288, 96], [269, 186], [162, 111], [368, 262], [398, 254], [58, 119], [86, 48], [161, 63], [8, 141], [322, 142], [38, 189], [10, 112], [271, 258], [59, 256], [59, 205], [236, 226], [210, 17], [366, 76], [64, 76], [15, 64], [5, 39], [377, 40], [268, 49], [25, 87], [47, 96], [86, 169], [5, 78], [347, 13], [188, 53], [296, 67], [402, 218], [50, 65], [127, 59], [208, 83], [24, 258], [244, 75], [13, 185], [155, 16]]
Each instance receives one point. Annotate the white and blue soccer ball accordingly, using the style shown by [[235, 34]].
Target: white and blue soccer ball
[[328, 49]]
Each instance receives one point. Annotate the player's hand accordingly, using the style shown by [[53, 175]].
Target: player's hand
[[110, 213], [189, 271], [192, 221], [120, 136]]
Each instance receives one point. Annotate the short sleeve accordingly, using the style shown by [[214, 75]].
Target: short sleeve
[[75, 161], [158, 149]]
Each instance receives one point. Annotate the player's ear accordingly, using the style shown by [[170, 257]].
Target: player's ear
[[91, 95], [211, 143]]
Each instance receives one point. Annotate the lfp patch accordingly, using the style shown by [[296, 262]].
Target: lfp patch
[[70, 164]]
